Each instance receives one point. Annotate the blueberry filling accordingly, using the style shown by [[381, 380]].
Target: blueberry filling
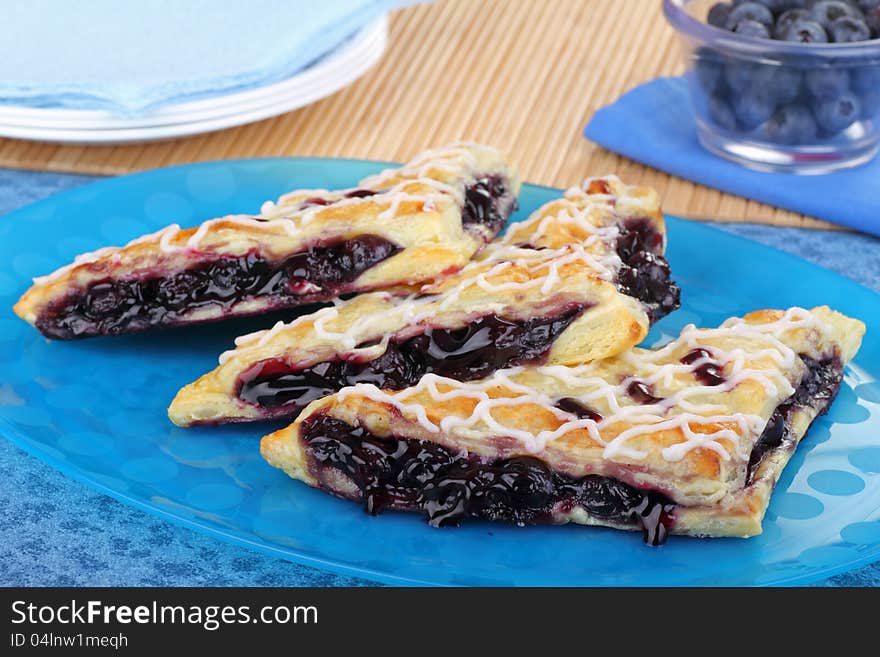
[[710, 373], [578, 409], [466, 353], [642, 393], [644, 273], [448, 487], [817, 389], [315, 200], [488, 202], [320, 200], [361, 193], [137, 304]]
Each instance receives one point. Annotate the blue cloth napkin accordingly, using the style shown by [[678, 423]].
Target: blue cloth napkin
[[128, 57], [653, 124]]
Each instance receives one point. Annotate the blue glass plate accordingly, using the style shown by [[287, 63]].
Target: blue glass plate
[[95, 410]]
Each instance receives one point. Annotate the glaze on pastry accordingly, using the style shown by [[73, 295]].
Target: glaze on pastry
[[689, 438], [401, 227], [582, 278]]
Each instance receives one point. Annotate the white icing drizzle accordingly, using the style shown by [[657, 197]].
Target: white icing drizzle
[[543, 269], [84, 259], [165, 240], [293, 198], [702, 425], [259, 339], [161, 236], [583, 214], [275, 217], [456, 160], [347, 339], [630, 199]]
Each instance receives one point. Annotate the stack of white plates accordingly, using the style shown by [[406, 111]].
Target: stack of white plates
[[328, 75]]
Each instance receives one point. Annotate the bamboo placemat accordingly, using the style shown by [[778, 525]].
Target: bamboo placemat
[[524, 75]]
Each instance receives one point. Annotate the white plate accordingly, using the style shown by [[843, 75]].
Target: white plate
[[329, 75]]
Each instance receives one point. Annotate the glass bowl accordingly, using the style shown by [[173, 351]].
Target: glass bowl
[[776, 105]]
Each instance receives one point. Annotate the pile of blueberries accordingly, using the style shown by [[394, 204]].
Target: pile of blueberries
[[804, 21], [794, 100]]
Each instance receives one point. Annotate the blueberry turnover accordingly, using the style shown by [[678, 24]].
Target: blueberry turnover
[[581, 279], [689, 438], [401, 227]]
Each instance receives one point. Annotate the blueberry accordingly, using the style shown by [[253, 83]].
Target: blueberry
[[749, 11], [791, 124], [775, 6], [709, 71], [718, 14], [804, 31], [720, 112], [752, 109], [871, 104], [742, 75], [872, 20], [868, 5], [865, 79], [738, 75], [786, 84], [181, 288], [809, 4], [752, 29], [824, 83], [103, 299], [828, 11], [225, 278], [847, 29], [788, 17], [837, 114], [777, 81]]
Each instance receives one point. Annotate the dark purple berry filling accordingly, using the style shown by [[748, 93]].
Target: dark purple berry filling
[[578, 409], [711, 373], [645, 274], [448, 487], [488, 202], [361, 193], [817, 389], [642, 393], [127, 306], [320, 200], [315, 200], [471, 352]]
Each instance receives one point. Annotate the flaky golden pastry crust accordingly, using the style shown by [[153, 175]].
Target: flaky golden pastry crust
[[563, 257], [418, 208], [692, 420]]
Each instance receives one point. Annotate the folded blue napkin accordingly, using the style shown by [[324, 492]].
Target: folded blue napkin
[[128, 57], [653, 124]]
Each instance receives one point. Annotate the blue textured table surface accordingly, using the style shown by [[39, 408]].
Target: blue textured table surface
[[59, 532]]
